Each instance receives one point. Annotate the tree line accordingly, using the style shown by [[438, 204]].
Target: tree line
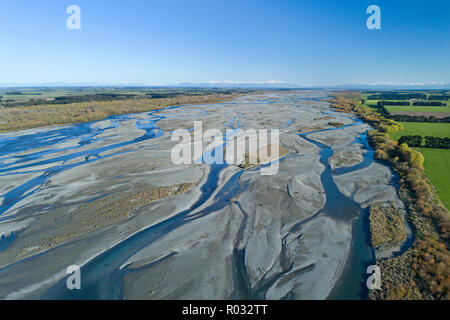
[[412, 141], [437, 142], [415, 118], [430, 104], [410, 118], [443, 97], [407, 96], [407, 103], [394, 103], [430, 142], [397, 96]]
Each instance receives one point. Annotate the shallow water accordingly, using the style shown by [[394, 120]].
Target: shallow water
[[351, 285], [84, 132], [102, 278]]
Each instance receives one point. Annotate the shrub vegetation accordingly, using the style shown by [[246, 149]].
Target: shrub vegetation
[[429, 257]]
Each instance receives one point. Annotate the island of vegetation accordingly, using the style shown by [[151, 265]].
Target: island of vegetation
[[386, 226]]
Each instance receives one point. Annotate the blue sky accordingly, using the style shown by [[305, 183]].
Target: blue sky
[[308, 42]]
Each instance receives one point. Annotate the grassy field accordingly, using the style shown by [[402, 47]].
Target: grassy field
[[437, 161], [418, 108], [29, 97], [437, 168], [423, 129], [26, 94], [20, 118]]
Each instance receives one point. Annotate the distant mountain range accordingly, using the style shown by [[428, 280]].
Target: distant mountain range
[[291, 85], [236, 84], [409, 86]]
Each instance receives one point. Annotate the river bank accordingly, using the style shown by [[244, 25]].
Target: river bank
[[29, 117], [194, 231], [423, 270]]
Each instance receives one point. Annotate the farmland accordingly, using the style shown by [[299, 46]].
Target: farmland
[[437, 166], [84, 105], [409, 101], [26, 97], [429, 219], [419, 114], [417, 108], [437, 161], [422, 129]]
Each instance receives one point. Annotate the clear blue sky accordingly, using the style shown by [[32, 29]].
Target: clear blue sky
[[168, 41]]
